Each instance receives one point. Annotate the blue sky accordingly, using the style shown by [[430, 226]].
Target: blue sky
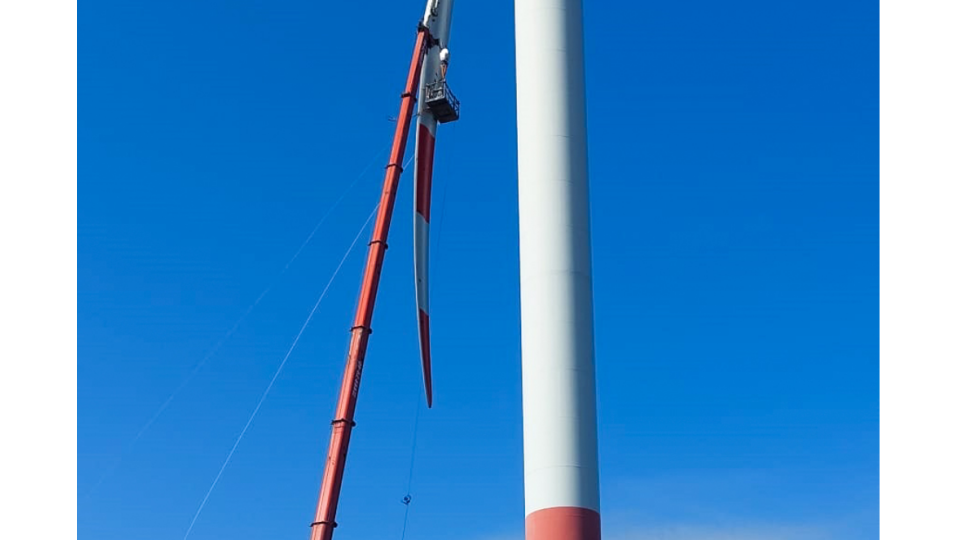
[[734, 165]]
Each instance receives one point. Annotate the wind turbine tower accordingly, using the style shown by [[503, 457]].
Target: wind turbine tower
[[561, 481]]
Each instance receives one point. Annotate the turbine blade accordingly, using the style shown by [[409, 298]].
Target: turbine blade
[[422, 182]]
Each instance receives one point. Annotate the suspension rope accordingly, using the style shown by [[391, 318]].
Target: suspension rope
[[408, 498], [263, 397], [216, 348]]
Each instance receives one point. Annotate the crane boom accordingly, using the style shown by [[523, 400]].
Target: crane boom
[[342, 425]]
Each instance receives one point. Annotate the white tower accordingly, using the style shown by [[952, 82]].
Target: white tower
[[561, 482]]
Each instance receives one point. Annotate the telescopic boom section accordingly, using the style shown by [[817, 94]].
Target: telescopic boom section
[[324, 522]]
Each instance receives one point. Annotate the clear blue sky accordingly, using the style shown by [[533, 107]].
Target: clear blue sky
[[734, 169]]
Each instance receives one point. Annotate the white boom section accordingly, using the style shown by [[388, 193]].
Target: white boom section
[[561, 482]]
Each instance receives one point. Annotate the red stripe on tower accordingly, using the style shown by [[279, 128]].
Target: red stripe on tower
[[563, 523]]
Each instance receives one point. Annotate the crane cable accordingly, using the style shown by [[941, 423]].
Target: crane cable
[[263, 397], [216, 348]]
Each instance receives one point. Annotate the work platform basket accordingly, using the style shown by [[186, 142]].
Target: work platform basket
[[441, 102]]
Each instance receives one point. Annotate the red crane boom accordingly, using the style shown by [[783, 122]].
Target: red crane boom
[[324, 522]]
